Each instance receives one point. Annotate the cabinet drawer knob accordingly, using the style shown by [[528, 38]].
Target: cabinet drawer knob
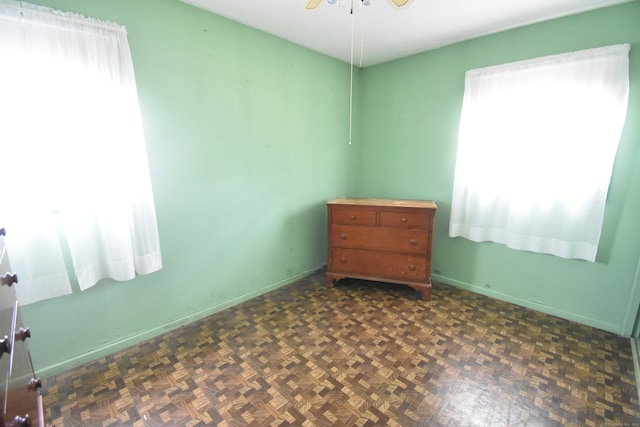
[[353, 217], [34, 384], [403, 219], [343, 236], [5, 346], [343, 260], [9, 279], [22, 334], [19, 421], [413, 241], [412, 267]]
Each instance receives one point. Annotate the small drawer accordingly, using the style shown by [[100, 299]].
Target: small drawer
[[353, 216], [404, 219]]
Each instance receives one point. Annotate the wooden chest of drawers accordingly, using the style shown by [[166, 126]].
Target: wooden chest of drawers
[[20, 400], [385, 240]]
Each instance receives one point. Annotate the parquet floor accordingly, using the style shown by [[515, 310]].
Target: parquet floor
[[360, 354]]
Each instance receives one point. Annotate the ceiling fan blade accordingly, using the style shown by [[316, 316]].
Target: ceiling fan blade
[[400, 3], [312, 4]]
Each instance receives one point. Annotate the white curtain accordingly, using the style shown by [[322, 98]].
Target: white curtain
[[536, 148], [75, 167]]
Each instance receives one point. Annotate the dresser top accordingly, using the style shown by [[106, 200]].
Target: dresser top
[[354, 201]]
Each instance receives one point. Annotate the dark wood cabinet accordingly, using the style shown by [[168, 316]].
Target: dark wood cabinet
[[387, 240], [19, 396]]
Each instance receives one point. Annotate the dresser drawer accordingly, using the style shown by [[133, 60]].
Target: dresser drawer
[[379, 238], [404, 219], [23, 402], [381, 264], [353, 216], [22, 397], [7, 299]]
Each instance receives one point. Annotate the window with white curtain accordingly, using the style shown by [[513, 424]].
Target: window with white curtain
[[74, 163], [536, 149]]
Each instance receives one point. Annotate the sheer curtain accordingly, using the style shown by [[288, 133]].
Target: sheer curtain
[[75, 167], [536, 148]]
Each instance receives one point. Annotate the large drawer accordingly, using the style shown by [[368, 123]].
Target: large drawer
[[381, 264], [379, 238], [22, 397], [7, 298]]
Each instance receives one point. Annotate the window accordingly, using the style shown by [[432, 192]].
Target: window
[[74, 159], [536, 148]]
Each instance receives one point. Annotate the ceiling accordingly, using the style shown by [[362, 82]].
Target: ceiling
[[383, 32]]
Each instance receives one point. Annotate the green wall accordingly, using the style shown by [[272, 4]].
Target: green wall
[[411, 110], [247, 137]]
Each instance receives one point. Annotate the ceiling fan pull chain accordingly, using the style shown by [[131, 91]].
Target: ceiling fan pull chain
[[351, 80], [362, 21]]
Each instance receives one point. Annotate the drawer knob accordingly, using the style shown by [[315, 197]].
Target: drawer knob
[[343, 236], [22, 334], [19, 421], [412, 267], [403, 219], [413, 241], [343, 260], [9, 279], [34, 384], [5, 346], [353, 217]]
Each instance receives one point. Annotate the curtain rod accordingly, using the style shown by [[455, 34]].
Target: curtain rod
[[15, 11]]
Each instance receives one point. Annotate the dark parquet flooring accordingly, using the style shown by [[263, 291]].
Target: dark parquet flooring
[[360, 354]]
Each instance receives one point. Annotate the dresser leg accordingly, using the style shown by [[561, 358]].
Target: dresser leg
[[332, 279], [328, 281], [426, 293]]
